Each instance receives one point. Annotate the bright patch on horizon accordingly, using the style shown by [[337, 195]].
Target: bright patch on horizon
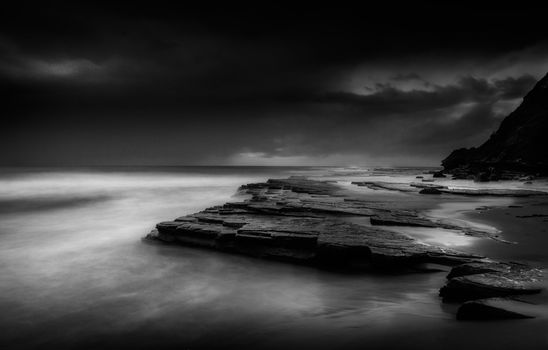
[[64, 68], [264, 159], [250, 158]]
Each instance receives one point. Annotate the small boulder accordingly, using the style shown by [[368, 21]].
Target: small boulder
[[495, 309], [490, 279], [438, 174]]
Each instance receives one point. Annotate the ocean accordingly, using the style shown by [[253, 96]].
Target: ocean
[[75, 274]]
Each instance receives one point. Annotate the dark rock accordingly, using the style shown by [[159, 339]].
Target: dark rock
[[532, 216], [426, 185], [402, 187], [491, 279], [500, 192], [484, 267], [431, 190], [438, 174], [519, 147], [486, 286], [380, 185], [401, 218], [494, 309], [483, 207], [412, 219]]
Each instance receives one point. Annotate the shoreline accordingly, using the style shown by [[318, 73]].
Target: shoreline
[[523, 223]]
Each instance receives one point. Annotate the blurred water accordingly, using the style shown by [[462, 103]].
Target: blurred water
[[74, 274]]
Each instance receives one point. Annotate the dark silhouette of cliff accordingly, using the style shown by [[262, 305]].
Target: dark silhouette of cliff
[[519, 146]]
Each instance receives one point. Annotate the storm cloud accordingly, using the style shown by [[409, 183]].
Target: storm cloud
[[87, 84]]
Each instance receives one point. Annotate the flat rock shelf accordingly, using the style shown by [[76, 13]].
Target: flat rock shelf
[[306, 221]]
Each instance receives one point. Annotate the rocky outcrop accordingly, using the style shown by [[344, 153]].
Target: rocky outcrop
[[309, 222], [498, 192], [432, 188], [491, 279], [303, 221], [518, 147], [495, 309], [411, 219], [489, 289]]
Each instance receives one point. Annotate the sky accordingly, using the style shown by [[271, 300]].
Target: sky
[[123, 83]]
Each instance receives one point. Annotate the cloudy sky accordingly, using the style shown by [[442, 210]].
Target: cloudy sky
[[127, 84]]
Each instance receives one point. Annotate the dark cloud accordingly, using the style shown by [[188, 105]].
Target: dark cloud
[[471, 127], [406, 77], [388, 99], [87, 83], [511, 88]]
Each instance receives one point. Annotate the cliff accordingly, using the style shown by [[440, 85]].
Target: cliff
[[518, 147]]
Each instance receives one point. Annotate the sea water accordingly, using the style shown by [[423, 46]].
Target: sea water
[[74, 273]]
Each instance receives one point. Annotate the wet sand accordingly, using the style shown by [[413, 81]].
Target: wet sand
[[524, 222]]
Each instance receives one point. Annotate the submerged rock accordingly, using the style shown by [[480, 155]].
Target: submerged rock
[[495, 309]]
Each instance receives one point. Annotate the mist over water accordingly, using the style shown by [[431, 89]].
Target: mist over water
[[75, 274], [70, 244]]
